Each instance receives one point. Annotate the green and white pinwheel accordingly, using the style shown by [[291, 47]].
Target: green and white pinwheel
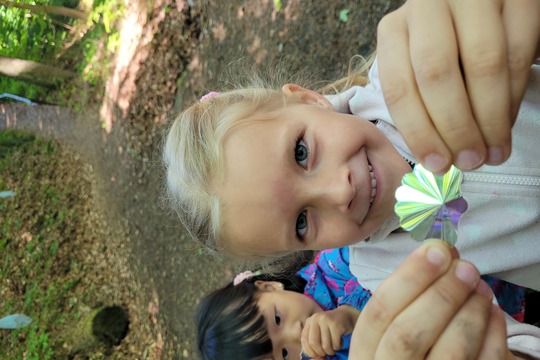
[[430, 206]]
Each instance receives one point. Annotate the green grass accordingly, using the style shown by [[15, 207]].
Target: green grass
[[37, 275]]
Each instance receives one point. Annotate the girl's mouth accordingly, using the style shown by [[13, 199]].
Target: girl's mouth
[[373, 184]]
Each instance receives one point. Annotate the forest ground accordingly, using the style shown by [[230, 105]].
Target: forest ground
[[171, 53]]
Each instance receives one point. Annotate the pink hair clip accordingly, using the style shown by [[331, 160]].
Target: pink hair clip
[[246, 275], [211, 94]]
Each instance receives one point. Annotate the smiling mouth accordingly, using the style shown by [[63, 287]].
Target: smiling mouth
[[373, 185]]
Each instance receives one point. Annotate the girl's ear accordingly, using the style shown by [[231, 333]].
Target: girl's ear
[[269, 285], [306, 96]]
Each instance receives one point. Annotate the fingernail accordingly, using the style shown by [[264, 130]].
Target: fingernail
[[436, 256], [467, 273], [435, 163], [483, 289], [468, 160], [495, 155]]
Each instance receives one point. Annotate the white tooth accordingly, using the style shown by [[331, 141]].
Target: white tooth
[[370, 167], [372, 175], [373, 183], [373, 192]]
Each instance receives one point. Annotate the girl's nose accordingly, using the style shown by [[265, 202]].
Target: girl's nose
[[335, 190], [290, 337], [294, 333]]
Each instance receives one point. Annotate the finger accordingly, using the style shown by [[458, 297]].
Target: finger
[[304, 339], [464, 335], [435, 61], [484, 57], [495, 344], [335, 330], [402, 97], [522, 30], [424, 266], [312, 341], [326, 341], [336, 339], [437, 306]]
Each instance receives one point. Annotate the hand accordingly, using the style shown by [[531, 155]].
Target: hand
[[322, 331], [434, 306], [453, 74]]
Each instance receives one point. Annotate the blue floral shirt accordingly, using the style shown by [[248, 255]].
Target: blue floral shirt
[[331, 284]]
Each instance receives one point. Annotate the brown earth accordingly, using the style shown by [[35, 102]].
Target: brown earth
[[171, 54]]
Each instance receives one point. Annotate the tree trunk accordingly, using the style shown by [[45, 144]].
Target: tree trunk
[[58, 10], [33, 72]]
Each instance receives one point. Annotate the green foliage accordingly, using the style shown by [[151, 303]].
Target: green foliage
[[31, 36], [44, 37], [344, 15], [33, 221], [38, 344], [103, 18], [278, 5], [11, 140], [24, 89]]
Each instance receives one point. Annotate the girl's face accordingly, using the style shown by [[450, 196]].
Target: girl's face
[[310, 178], [285, 313]]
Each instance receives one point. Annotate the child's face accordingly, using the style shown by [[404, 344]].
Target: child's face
[[303, 181], [285, 313]]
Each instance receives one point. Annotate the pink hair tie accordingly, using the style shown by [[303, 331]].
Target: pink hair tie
[[211, 94], [246, 275]]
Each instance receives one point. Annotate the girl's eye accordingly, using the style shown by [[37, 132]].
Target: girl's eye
[[301, 225], [284, 353], [277, 318], [301, 153]]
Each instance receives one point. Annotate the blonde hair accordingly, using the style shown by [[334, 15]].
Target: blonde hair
[[356, 75], [193, 155]]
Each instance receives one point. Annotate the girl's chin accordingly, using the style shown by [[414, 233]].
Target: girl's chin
[[377, 219]]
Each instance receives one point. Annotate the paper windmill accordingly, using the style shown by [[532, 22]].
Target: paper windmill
[[430, 206]]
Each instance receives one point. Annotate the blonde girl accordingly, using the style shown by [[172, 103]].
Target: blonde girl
[[264, 173]]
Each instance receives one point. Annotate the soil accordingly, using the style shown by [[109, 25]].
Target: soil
[[171, 53]]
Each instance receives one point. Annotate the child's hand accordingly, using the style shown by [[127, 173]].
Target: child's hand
[[322, 331], [434, 306], [453, 74]]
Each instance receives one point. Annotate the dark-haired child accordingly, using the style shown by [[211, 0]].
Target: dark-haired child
[[314, 310]]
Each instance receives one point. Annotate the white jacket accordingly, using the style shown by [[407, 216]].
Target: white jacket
[[499, 233]]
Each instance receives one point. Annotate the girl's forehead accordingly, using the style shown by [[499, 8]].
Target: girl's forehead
[[272, 111]]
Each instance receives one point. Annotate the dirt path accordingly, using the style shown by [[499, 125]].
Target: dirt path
[[194, 41]]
